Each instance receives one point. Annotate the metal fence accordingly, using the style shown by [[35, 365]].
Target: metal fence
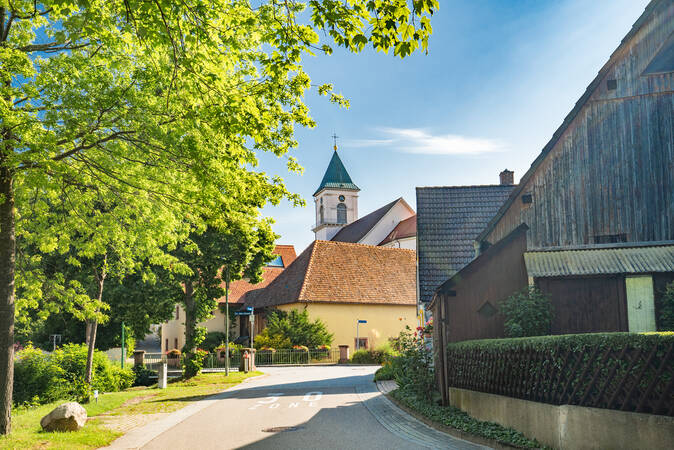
[[216, 361]]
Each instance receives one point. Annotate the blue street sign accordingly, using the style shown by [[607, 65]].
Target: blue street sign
[[362, 321], [242, 313], [249, 308]]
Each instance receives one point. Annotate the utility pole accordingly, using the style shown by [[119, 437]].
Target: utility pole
[[227, 321]]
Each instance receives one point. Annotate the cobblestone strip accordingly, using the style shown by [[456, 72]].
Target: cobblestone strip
[[407, 427]]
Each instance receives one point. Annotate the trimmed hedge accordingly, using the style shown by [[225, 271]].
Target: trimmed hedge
[[626, 371]]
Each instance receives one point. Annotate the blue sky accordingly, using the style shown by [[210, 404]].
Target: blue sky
[[499, 78]]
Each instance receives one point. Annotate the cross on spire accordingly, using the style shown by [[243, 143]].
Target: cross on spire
[[334, 140]]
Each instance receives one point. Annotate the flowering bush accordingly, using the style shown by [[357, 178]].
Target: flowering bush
[[267, 349], [301, 347], [323, 347], [175, 353], [412, 368]]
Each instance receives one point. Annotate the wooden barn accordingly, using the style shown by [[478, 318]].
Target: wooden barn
[[592, 221]]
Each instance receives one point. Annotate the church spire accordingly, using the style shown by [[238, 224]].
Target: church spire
[[336, 176]]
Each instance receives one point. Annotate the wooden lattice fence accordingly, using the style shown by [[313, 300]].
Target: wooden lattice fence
[[628, 372]]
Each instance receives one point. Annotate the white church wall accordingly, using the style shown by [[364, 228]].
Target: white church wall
[[409, 243], [391, 219]]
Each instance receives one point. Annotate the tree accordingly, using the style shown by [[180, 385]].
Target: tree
[[243, 247], [297, 328], [183, 93]]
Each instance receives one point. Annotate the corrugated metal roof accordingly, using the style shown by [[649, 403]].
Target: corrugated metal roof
[[600, 261]]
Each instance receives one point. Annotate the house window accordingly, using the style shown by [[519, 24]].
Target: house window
[[175, 342], [177, 312], [610, 238], [341, 213], [321, 214], [361, 343], [611, 85], [167, 349]]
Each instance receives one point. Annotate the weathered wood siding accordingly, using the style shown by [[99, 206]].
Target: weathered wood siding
[[586, 304], [503, 266], [612, 169]]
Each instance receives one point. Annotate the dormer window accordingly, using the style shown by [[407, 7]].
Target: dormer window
[[276, 262]]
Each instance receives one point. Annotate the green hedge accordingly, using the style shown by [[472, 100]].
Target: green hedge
[[627, 371]]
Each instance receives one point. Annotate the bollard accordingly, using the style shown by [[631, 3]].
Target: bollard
[[161, 375], [343, 354], [139, 358]]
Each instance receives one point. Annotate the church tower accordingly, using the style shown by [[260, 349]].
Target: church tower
[[336, 200]]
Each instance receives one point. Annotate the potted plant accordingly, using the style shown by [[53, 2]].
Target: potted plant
[[173, 357]]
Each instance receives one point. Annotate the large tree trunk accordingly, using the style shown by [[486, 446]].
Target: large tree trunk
[[92, 325], [190, 323], [7, 266]]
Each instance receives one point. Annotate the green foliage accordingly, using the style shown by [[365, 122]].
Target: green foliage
[[666, 309], [143, 376], [527, 313], [377, 356], [293, 328], [413, 366], [213, 340], [42, 378], [455, 418], [193, 363], [386, 372]]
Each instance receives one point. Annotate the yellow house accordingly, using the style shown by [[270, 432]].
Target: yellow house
[[342, 283]]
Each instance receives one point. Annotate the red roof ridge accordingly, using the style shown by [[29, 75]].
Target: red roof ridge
[[362, 245]]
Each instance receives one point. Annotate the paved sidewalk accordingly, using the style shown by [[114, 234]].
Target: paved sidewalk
[[387, 386], [404, 425]]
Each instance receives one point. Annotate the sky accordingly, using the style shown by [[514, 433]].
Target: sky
[[498, 80]]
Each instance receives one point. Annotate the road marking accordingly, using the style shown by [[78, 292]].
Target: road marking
[[271, 399], [312, 396], [293, 405], [274, 405]]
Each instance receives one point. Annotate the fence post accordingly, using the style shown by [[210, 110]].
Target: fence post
[[161, 375], [343, 354], [139, 358]]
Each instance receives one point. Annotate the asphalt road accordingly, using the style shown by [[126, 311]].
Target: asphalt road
[[329, 407]]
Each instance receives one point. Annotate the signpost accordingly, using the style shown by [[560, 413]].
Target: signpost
[[227, 323], [250, 312], [357, 336]]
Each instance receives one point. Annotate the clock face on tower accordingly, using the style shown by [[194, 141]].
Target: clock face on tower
[[341, 198]]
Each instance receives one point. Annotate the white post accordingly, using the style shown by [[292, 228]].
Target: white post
[[357, 339], [161, 375]]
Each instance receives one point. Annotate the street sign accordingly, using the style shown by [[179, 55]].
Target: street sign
[[362, 321], [242, 313], [249, 308]]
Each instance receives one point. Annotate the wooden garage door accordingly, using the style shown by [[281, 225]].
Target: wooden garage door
[[584, 304]]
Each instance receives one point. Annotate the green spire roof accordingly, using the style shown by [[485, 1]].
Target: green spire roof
[[336, 176]]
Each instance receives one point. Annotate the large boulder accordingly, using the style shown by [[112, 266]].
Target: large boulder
[[66, 417]]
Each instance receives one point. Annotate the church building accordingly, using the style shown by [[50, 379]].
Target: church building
[[336, 203]]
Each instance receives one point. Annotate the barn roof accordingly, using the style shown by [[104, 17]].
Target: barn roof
[[600, 260], [448, 220], [341, 272]]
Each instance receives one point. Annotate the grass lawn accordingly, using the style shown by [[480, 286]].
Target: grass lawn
[[27, 433]]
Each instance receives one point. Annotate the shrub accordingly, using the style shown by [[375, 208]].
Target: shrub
[[412, 365], [193, 363], [285, 329], [666, 309], [265, 339], [386, 372], [527, 313], [213, 340], [43, 378], [595, 370], [143, 376]]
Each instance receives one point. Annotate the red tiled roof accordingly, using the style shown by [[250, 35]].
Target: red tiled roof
[[238, 288], [342, 272], [404, 229]]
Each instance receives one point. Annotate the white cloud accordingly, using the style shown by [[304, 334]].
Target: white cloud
[[367, 142], [420, 141]]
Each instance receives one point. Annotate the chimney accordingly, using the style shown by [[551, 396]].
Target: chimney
[[507, 177]]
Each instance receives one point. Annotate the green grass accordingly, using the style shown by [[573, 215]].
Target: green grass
[[27, 433]]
